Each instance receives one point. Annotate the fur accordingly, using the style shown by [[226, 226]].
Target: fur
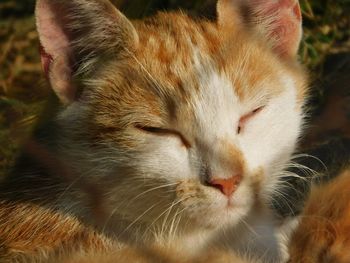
[[323, 233]]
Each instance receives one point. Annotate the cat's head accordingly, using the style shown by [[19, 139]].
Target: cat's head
[[176, 121]]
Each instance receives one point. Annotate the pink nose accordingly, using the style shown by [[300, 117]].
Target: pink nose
[[226, 186]]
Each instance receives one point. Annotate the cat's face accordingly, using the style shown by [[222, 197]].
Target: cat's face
[[191, 127]]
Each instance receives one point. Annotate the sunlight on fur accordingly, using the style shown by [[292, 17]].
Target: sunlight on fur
[[171, 137]]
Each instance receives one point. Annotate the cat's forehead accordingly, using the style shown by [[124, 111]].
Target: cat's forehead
[[174, 32], [182, 54]]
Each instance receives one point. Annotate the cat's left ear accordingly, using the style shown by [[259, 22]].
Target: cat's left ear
[[279, 21], [76, 37]]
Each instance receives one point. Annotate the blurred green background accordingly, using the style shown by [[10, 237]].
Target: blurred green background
[[325, 50]]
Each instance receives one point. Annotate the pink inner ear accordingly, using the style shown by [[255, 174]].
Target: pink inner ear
[[46, 61], [297, 12], [52, 36], [290, 8], [283, 21], [55, 49]]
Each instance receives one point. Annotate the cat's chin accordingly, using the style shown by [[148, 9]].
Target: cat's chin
[[220, 213], [222, 217], [209, 208]]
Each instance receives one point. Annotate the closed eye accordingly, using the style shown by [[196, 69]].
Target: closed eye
[[164, 132], [245, 118]]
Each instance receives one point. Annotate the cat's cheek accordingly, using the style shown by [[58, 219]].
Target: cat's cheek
[[165, 158], [271, 138]]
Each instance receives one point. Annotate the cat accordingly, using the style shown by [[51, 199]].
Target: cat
[[170, 134]]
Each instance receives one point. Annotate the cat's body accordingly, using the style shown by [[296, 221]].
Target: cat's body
[[172, 135]]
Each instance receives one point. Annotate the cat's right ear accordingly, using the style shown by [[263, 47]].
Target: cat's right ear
[[76, 35], [278, 21]]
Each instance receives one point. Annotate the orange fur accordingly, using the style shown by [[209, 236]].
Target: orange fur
[[30, 233], [323, 234]]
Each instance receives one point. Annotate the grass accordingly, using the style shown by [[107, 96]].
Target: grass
[[23, 89], [326, 30]]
